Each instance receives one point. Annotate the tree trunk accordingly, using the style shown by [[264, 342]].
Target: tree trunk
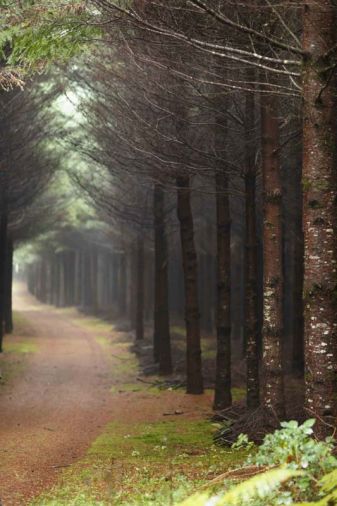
[[8, 289], [298, 324], [223, 396], [122, 285], [3, 248], [273, 391], [252, 337], [161, 338], [190, 268], [320, 213], [252, 334], [140, 287]]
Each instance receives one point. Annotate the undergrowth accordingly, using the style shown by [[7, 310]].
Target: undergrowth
[[290, 468], [143, 464]]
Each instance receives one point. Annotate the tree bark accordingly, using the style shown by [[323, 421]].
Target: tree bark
[[3, 248], [273, 391], [320, 213], [252, 337], [161, 338], [122, 285], [190, 268], [223, 396], [140, 288], [252, 330], [8, 289]]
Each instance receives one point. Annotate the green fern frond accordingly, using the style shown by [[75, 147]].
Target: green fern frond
[[259, 486]]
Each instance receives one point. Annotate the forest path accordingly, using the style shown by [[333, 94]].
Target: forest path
[[55, 406], [58, 398]]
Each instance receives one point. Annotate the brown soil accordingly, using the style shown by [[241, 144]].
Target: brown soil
[[60, 400]]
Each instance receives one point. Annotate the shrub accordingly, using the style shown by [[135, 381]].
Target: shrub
[[299, 469]]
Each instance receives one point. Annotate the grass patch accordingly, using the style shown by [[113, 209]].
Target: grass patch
[[20, 347], [103, 341], [16, 348], [91, 323], [143, 464]]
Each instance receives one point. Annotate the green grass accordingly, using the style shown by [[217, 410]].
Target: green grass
[[20, 347], [143, 464]]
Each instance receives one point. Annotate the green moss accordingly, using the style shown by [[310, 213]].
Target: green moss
[[178, 330], [91, 323], [102, 341], [143, 464], [20, 347], [306, 184]]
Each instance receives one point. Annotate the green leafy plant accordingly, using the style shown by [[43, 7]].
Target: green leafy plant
[[294, 446], [298, 468], [328, 489]]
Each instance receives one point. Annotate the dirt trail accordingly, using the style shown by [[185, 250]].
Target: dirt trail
[[59, 403], [51, 412]]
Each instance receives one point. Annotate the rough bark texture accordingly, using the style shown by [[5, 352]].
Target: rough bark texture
[[162, 344], [223, 396], [320, 213], [252, 330], [273, 388], [192, 315]]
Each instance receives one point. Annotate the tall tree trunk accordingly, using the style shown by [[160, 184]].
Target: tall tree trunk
[[3, 251], [273, 391], [320, 213], [122, 284], [252, 334], [140, 287], [8, 291], [298, 324], [223, 396], [161, 338], [252, 337], [190, 268]]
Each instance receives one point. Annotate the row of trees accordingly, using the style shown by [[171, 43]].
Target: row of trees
[[286, 55], [221, 99]]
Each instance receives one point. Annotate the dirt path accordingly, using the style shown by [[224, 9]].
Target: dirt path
[[58, 404], [55, 408]]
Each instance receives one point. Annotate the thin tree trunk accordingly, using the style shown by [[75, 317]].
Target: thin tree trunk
[[298, 324], [190, 268], [252, 334], [3, 248], [223, 396], [140, 288], [8, 290], [273, 391], [161, 338], [252, 337], [320, 213], [122, 285]]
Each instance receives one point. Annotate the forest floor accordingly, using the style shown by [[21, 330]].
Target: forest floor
[[81, 425]]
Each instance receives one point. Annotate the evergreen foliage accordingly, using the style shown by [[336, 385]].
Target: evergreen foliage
[[34, 35]]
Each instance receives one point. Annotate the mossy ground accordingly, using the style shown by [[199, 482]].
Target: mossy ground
[[143, 464], [16, 348]]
